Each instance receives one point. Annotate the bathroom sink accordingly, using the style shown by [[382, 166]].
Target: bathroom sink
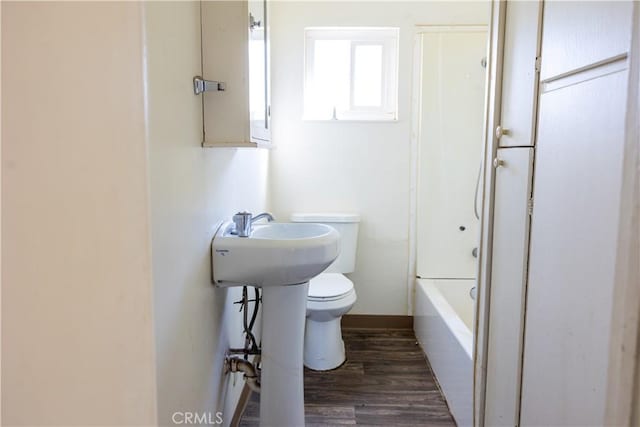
[[275, 254], [280, 258]]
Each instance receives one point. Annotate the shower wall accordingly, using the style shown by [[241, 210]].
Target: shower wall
[[449, 149]]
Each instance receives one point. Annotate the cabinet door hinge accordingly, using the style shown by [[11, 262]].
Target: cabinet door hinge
[[530, 206]]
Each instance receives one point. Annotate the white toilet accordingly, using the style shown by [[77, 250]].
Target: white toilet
[[331, 295]]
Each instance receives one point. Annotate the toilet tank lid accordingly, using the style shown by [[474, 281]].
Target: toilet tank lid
[[325, 217]]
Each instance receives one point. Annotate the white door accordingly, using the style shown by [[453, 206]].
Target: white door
[[514, 168], [450, 143], [513, 181], [519, 77], [577, 183]]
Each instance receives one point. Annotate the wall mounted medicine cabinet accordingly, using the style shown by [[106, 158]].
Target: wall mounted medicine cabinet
[[235, 64]]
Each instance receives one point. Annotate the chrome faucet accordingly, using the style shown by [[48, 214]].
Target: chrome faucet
[[262, 215], [244, 220]]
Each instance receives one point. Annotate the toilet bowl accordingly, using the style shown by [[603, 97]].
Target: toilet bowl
[[330, 296]]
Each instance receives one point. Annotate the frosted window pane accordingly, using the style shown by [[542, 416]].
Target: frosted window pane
[[329, 85], [367, 76]]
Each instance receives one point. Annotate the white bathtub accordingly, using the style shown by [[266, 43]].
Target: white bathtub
[[443, 322]]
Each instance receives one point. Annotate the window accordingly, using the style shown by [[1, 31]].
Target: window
[[351, 74]]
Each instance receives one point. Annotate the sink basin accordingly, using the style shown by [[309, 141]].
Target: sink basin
[[275, 254]]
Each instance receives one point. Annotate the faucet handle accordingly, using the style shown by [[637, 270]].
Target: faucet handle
[[242, 221], [243, 214]]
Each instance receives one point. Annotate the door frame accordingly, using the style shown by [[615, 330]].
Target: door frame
[[623, 388], [493, 101]]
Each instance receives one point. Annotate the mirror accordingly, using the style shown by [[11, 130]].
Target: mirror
[[235, 57], [259, 88]]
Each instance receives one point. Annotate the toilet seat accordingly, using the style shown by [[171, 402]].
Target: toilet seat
[[329, 287]]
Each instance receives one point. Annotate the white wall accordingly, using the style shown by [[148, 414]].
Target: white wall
[[77, 328], [109, 204], [352, 167], [191, 189]]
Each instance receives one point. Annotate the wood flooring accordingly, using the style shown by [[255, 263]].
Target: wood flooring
[[385, 381]]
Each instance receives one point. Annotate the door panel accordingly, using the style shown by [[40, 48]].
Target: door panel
[[578, 34], [573, 251], [519, 77], [508, 281]]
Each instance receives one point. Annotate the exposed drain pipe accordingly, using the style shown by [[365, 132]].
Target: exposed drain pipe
[[251, 377]]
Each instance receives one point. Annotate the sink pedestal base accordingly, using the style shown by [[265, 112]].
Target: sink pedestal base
[[284, 310]]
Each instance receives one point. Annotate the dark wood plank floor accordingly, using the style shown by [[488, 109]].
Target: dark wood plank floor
[[385, 381]]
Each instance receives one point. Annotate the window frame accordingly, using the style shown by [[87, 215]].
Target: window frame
[[388, 39]]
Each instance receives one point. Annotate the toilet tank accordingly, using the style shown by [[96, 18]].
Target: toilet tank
[[347, 225]]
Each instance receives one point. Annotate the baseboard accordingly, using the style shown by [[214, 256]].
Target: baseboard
[[369, 321]]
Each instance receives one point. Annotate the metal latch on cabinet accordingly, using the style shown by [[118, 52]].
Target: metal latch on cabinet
[[201, 85], [253, 23]]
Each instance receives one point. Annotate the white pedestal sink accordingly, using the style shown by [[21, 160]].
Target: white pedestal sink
[[281, 258]]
